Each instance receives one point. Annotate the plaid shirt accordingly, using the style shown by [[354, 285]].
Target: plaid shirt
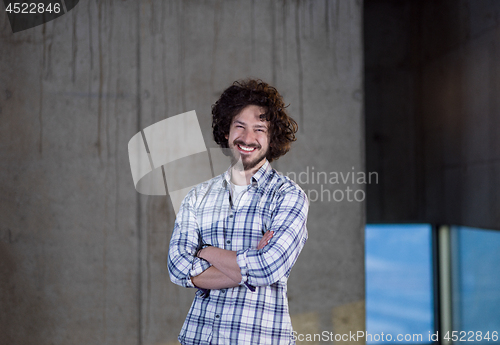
[[255, 312]]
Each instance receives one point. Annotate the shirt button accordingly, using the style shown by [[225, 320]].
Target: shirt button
[[217, 316], [230, 216], [223, 290], [228, 241]]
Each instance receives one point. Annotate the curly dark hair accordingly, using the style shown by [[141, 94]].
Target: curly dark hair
[[234, 99]]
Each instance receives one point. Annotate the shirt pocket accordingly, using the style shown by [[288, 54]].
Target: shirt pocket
[[249, 227], [212, 230]]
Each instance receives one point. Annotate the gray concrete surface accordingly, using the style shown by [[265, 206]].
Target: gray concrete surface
[[82, 254]]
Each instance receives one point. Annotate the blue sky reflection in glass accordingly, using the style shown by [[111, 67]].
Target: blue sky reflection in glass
[[399, 291]]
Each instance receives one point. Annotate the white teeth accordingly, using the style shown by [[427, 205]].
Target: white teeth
[[248, 149]]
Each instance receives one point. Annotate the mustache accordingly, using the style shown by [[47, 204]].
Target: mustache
[[239, 142]]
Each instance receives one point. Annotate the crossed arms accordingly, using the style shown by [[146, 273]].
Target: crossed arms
[[224, 272], [217, 268]]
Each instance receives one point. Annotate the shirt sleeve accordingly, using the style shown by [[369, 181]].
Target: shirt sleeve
[[182, 263], [275, 261]]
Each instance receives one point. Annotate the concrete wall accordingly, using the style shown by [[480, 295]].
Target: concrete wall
[[433, 111], [82, 254]]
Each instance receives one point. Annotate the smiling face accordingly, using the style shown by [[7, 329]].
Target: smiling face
[[249, 137]]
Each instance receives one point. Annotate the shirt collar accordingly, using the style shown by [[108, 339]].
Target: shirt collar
[[257, 179]]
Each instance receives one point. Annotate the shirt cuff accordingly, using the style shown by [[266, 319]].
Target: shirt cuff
[[241, 259], [198, 267]]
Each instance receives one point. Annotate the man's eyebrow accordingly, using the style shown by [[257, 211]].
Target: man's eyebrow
[[260, 126]]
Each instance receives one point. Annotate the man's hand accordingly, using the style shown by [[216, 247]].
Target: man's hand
[[265, 239]]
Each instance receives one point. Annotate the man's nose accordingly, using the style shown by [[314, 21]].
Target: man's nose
[[248, 137]]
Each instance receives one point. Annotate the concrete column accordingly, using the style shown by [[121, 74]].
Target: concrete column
[[82, 254]]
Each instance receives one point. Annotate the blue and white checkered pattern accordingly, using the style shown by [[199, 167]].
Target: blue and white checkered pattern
[[256, 312]]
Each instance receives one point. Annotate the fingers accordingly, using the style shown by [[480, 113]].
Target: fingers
[[262, 244], [268, 235], [265, 239]]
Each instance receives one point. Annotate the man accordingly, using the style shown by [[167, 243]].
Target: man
[[237, 236]]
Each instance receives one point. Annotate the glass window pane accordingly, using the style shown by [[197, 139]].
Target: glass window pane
[[399, 290], [476, 283]]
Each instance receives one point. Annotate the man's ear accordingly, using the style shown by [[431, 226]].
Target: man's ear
[[226, 136]]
